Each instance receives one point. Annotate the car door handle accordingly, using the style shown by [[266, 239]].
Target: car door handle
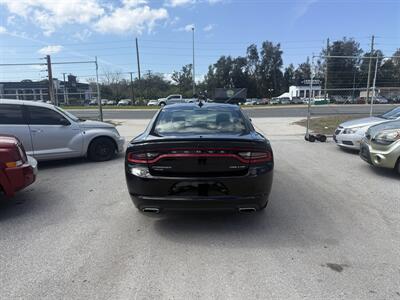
[[37, 130]]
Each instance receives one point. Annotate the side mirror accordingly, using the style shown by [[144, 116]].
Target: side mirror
[[64, 122]]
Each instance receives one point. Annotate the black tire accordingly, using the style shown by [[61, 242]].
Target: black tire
[[162, 104], [264, 206], [101, 149], [397, 167], [311, 138]]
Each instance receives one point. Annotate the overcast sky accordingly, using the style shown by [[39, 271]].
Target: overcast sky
[[74, 30]]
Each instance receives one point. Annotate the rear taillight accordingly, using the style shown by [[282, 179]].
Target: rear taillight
[[256, 157], [141, 158], [14, 164], [248, 157]]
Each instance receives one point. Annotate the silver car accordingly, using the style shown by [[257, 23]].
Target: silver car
[[49, 132], [349, 134]]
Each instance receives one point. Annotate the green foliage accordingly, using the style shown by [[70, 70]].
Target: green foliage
[[261, 71]]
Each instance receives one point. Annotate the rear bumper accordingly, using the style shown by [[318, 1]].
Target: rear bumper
[[210, 193], [15, 179]]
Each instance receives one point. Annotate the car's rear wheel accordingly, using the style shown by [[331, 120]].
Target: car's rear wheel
[[162, 104], [264, 206], [101, 149]]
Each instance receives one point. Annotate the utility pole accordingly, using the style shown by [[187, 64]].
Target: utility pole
[[309, 99], [50, 77], [373, 87], [369, 66], [138, 68], [98, 91], [326, 68], [193, 68], [132, 94], [354, 84], [137, 58], [65, 90]]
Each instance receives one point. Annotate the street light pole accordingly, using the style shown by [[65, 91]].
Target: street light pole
[[193, 68], [65, 90]]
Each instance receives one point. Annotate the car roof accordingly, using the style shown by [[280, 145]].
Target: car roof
[[25, 102], [183, 106]]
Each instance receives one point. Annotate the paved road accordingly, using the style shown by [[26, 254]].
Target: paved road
[[332, 230], [290, 111]]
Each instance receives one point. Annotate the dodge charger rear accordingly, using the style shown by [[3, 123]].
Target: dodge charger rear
[[199, 157]]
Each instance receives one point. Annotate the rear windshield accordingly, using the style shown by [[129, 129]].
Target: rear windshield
[[200, 121]]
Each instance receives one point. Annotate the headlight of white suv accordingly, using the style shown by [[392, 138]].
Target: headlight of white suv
[[387, 137]]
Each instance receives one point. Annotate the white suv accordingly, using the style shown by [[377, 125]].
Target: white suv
[[48, 132]]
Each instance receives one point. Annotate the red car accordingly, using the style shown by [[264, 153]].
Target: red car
[[17, 170]]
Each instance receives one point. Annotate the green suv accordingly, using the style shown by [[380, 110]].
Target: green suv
[[381, 145]]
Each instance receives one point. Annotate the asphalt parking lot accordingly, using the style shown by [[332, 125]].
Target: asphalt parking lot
[[331, 230]]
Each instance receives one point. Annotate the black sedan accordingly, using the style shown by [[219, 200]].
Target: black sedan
[[199, 156]]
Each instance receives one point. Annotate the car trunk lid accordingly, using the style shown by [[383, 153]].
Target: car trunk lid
[[198, 158]]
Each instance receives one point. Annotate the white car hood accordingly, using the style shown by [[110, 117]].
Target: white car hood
[[95, 124], [362, 122]]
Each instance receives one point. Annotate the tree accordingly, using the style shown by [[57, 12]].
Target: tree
[[252, 60], [270, 74], [288, 77], [389, 71], [219, 73], [183, 79], [342, 70]]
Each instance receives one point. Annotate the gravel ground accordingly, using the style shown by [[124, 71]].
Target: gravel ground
[[331, 230]]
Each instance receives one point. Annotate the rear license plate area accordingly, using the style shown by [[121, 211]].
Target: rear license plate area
[[199, 188]]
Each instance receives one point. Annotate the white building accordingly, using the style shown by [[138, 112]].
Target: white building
[[303, 91]]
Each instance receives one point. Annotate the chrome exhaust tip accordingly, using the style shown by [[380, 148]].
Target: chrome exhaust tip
[[153, 210], [247, 209]]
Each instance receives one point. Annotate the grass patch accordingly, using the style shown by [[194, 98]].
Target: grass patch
[[328, 124]]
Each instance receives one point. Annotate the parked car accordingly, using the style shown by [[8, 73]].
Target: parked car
[[263, 101], [394, 99], [199, 156], [124, 102], [17, 170], [171, 99], [111, 102], [152, 103], [381, 145], [49, 132], [104, 101], [297, 100], [275, 101], [93, 102], [250, 102], [307, 100], [285, 100], [360, 100], [349, 134], [380, 100]]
